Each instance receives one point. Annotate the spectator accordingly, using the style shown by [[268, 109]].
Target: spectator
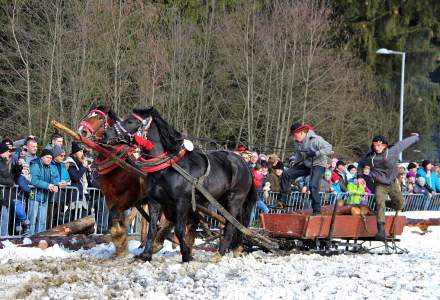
[[367, 177], [431, 177], [437, 170], [335, 184], [326, 185], [56, 140], [24, 194], [28, 152], [45, 179], [262, 157], [275, 177], [57, 162], [411, 181], [257, 173], [253, 159], [9, 143], [352, 171], [340, 172], [77, 166], [412, 167], [7, 173], [403, 182], [356, 189], [421, 187], [273, 160]]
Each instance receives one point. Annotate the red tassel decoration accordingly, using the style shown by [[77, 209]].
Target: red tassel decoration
[[146, 144]]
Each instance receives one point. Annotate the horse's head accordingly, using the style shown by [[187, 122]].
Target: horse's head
[[149, 125], [98, 119]]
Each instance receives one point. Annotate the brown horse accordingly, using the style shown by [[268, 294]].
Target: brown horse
[[122, 189], [129, 187]]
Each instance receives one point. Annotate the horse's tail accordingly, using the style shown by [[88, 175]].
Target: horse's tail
[[249, 206]]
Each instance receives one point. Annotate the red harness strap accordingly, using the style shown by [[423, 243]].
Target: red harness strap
[[163, 165], [106, 165]]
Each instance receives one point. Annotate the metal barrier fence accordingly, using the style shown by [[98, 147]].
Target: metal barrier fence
[[38, 210]]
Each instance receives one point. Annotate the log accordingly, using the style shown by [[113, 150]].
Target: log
[[75, 242], [84, 225]]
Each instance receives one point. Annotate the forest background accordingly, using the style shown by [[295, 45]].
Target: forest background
[[237, 71]]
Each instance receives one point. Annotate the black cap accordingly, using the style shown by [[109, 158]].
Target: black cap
[[379, 138], [46, 152], [76, 147], [3, 147], [411, 165], [425, 163], [340, 163], [295, 126], [279, 166]]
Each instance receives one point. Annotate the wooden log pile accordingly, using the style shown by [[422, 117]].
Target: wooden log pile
[[74, 236]]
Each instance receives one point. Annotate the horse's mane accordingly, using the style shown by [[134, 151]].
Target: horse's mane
[[170, 138]]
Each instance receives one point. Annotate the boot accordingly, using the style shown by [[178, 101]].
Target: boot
[[380, 236]]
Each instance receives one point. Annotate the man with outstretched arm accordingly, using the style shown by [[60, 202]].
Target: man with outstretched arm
[[310, 159], [382, 160]]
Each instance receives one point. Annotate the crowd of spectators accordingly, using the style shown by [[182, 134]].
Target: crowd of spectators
[[50, 172]]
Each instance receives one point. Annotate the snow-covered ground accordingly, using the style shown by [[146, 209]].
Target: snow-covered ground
[[56, 273]]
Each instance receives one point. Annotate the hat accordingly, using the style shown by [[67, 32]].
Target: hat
[[279, 166], [411, 165], [3, 147], [274, 157], [425, 163], [46, 152], [263, 157], [328, 173], [410, 174], [340, 163], [378, 138], [76, 147], [298, 127], [57, 151], [421, 180]]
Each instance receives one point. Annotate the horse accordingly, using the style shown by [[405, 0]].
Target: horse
[[225, 175], [122, 189]]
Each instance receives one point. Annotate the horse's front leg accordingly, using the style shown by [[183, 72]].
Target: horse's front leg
[[119, 232], [180, 228], [154, 212]]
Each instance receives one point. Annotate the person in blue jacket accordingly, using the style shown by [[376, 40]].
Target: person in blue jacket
[[45, 179], [431, 178]]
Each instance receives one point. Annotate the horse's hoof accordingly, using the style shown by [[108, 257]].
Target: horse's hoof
[[238, 251], [187, 259], [217, 257], [142, 257]]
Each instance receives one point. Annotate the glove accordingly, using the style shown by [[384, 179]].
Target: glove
[[311, 153]]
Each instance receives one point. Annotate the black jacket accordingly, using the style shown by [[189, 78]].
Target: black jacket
[[8, 172], [383, 167]]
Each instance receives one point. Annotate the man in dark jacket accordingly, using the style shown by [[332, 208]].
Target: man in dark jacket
[[340, 171], [310, 159], [8, 171], [382, 160]]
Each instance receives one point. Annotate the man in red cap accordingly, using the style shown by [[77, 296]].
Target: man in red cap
[[310, 159]]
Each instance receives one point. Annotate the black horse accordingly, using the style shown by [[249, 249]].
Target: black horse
[[229, 179]]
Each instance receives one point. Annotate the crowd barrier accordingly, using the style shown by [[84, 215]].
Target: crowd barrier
[[40, 210]]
